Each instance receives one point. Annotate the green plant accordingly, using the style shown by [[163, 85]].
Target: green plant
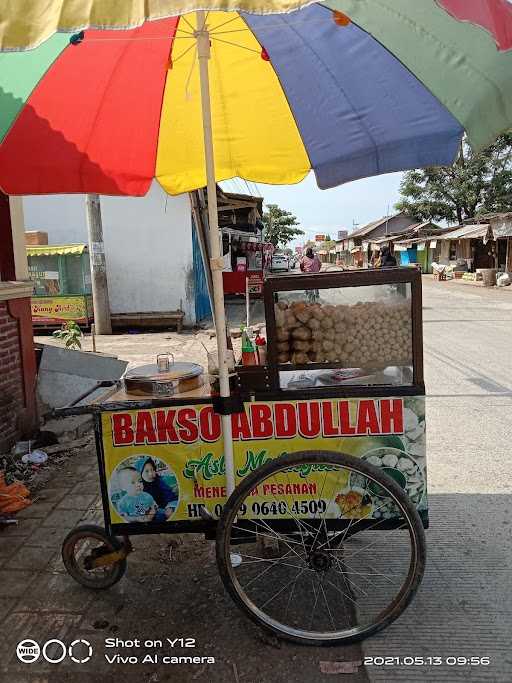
[[280, 226], [71, 334]]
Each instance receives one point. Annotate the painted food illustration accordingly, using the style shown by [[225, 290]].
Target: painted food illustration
[[402, 468], [354, 504]]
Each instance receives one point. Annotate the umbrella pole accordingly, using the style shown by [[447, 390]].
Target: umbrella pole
[[216, 260]]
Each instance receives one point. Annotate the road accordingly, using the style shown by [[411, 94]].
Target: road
[[463, 609]]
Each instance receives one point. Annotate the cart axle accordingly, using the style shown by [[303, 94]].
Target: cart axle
[[103, 559]]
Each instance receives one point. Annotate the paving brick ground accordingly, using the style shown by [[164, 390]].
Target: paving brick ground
[[157, 598]]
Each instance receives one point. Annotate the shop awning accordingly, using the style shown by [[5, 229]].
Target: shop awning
[[502, 226], [56, 250]]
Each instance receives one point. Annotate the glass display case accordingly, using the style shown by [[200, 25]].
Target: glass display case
[[345, 329]]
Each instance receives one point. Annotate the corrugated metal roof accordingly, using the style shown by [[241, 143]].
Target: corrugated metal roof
[[361, 232], [466, 232]]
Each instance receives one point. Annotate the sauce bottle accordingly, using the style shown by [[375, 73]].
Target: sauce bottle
[[249, 355], [261, 349]]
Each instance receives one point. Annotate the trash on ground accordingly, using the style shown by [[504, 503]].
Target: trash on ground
[[340, 667], [36, 457], [13, 497]]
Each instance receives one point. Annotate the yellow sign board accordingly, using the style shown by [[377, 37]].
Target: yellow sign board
[[55, 309], [165, 464]]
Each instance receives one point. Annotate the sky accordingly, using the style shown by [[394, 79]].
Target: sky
[[327, 211]]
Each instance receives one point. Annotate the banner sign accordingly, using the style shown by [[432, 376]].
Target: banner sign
[[168, 463], [59, 309]]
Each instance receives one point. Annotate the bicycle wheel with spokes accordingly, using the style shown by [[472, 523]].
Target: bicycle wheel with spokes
[[320, 548]]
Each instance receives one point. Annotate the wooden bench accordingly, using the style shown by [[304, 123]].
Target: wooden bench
[[150, 319]]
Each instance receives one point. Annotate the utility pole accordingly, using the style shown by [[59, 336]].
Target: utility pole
[[99, 281]]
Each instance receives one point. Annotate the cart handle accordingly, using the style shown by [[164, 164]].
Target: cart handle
[[74, 409]]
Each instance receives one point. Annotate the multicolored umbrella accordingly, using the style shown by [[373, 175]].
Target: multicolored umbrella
[[348, 88]]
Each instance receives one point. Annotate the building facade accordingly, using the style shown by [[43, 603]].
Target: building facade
[[18, 410], [149, 246]]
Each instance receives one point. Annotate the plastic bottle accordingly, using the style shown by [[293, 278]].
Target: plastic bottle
[[261, 349], [249, 356]]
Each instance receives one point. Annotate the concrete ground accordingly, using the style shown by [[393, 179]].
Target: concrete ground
[[462, 610], [464, 606]]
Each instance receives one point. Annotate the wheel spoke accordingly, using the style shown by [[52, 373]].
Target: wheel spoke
[[283, 588], [281, 538], [328, 608], [370, 545], [296, 567], [315, 603], [352, 583]]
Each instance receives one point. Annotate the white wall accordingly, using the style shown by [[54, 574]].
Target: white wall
[[148, 245]]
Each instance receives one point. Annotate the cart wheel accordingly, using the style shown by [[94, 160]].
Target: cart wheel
[[86, 543], [329, 578]]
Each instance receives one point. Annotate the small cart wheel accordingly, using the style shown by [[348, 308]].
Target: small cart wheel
[[343, 549], [84, 546]]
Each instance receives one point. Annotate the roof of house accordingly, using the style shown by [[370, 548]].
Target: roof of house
[[413, 232], [361, 232], [500, 222], [369, 227], [473, 231]]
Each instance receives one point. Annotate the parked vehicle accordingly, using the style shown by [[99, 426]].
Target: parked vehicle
[[280, 262]]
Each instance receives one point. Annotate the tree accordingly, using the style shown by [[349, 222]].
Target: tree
[[475, 184], [279, 226], [328, 244]]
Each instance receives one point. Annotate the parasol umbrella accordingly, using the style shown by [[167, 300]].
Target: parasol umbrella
[[346, 88]]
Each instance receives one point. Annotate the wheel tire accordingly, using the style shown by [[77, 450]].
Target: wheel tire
[[250, 482], [115, 571]]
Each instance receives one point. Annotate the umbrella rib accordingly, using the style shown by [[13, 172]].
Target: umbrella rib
[[234, 30], [182, 54], [224, 23], [228, 42], [184, 18]]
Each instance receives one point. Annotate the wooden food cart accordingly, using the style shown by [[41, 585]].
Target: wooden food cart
[[329, 447]]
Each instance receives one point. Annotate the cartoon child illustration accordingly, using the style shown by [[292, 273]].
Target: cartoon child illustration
[[136, 505], [165, 496]]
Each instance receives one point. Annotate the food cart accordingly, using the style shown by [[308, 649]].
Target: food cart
[[62, 284], [246, 263], [329, 448]]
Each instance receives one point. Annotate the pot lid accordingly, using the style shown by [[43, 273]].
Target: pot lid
[[176, 371]]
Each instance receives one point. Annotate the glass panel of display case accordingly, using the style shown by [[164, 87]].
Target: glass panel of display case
[[347, 335]]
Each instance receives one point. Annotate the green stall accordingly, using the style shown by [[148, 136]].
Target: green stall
[[61, 276]]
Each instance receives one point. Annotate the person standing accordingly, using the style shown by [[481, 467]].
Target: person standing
[[386, 260], [310, 263]]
